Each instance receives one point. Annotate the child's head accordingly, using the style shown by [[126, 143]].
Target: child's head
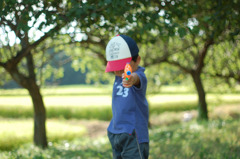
[[120, 50]]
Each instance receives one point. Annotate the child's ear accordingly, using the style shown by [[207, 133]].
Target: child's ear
[[138, 59]]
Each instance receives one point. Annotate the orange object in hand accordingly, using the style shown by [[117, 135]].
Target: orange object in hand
[[127, 71]]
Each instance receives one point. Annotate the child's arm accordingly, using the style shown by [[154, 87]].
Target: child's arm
[[132, 81]]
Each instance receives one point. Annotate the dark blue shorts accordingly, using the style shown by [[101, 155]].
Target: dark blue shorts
[[126, 146]]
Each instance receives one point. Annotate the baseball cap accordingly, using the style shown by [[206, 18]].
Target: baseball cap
[[119, 51]]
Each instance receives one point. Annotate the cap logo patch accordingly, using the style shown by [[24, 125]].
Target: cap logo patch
[[114, 50]]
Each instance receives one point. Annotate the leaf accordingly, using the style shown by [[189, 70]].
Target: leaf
[[196, 30], [107, 1], [206, 18], [182, 32]]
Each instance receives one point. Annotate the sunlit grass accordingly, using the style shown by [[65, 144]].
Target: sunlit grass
[[88, 96], [13, 133], [221, 112], [98, 106], [105, 100], [62, 90]]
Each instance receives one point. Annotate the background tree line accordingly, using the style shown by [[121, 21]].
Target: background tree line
[[198, 38]]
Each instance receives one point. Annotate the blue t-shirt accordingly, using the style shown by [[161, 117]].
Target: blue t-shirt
[[130, 108]]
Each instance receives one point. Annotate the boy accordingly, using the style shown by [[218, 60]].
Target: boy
[[128, 129]]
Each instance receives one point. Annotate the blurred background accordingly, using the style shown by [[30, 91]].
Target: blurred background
[[55, 97]]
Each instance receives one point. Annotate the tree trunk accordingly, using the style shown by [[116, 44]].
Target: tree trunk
[[39, 137], [202, 105], [29, 82]]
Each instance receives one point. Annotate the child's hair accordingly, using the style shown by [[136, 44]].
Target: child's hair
[[134, 58]]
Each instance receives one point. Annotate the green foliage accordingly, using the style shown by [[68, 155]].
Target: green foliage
[[86, 61], [40, 26], [191, 29], [224, 62], [4, 77], [146, 22], [211, 17], [162, 75]]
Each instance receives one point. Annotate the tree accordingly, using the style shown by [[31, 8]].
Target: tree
[[25, 25], [224, 62], [199, 25], [19, 20], [183, 33]]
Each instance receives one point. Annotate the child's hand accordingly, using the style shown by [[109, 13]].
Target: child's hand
[[133, 80]]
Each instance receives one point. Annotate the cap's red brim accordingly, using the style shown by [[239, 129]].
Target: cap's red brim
[[117, 65]]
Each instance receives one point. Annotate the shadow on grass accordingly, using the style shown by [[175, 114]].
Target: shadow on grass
[[216, 139], [78, 149], [80, 153]]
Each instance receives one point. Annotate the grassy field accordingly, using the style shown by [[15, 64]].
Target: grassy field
[[89, 102], [217, 139], [13, 133], [74, 112]]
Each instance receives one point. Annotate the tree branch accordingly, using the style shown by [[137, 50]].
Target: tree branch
[[196, 46], [230, 75], [55, 29], [27, 49], [2, 64], [94, 40], [175, 63], [99, 54], [202, 55], [156, 61], [13, 27], [30, 66]]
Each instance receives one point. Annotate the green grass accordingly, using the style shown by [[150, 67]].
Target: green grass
[[14, 133], [217, 139], [17, 132], [99, 106], [91, 102], [170, 137], [70, 90]]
